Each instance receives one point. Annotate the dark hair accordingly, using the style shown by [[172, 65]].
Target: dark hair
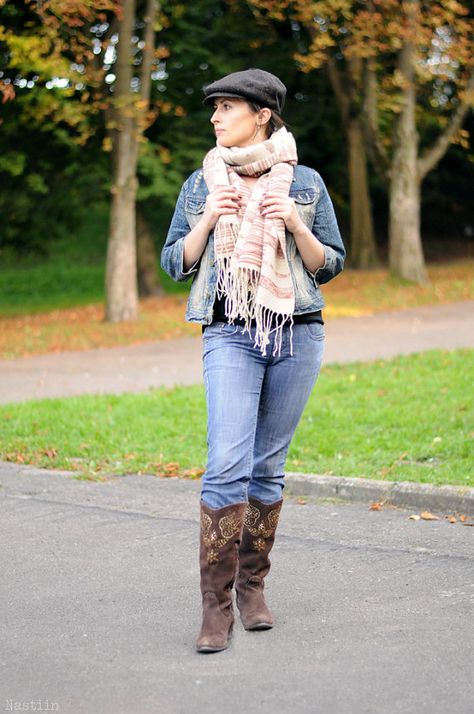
[[275, 122]]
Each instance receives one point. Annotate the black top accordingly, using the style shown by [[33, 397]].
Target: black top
[[220, 316]]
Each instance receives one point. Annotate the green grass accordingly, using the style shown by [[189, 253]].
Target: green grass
[[71, 275], [410, 418]]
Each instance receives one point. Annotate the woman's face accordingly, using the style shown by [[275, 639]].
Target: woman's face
[[234, 123]]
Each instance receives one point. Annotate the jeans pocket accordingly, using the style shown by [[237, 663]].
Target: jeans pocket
[[228, 329], [218, 329], [314, 330]]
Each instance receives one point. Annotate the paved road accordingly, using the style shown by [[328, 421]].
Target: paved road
[[137, 368], [100, 606]]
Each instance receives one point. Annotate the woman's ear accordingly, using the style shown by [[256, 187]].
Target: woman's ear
[[264, 115]]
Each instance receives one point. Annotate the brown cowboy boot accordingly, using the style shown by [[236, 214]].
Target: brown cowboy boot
[[221, 531], [260, 523]]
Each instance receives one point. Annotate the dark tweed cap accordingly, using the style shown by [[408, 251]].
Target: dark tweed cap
[[254, 84]]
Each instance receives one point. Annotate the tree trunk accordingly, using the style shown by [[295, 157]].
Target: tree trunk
[[121, 270], [148, 284], [405, 248], [146, 252], [363, 246]]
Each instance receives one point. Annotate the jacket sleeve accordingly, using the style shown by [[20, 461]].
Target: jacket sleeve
[[326, 230], [172, 253]]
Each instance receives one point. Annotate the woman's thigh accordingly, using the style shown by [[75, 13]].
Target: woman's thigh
[[288, 383], [233, 375]]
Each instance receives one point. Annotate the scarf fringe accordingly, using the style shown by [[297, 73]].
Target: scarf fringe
[[239, 288]]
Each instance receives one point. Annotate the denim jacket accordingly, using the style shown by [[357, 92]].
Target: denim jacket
[[316, 210]]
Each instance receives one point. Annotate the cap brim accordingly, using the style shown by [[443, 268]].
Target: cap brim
[[214, 95]]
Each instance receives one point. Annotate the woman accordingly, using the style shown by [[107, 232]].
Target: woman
[[258, 233]]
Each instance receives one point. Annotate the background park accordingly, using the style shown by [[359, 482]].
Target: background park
[[101, 122]]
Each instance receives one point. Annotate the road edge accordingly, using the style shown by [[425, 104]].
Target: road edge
[[406, 494]]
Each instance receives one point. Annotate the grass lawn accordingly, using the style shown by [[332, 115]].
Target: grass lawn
[[410, 418]]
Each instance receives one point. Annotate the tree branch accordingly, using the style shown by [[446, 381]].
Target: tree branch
[[432, 155]]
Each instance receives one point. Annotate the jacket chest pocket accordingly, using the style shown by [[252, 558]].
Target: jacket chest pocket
[[194, 208], [305, 201]]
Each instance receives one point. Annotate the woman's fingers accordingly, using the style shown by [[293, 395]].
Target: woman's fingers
[[224, 191], [223, 200], [276, 200]]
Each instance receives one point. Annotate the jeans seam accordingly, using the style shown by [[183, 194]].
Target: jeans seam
[[254, 429]]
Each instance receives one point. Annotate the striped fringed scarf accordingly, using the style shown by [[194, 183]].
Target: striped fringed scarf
[[253, 271]]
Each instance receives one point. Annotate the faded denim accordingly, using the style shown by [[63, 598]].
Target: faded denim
[[254, 404]]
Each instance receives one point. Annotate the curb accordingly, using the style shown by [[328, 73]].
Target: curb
[[406, 494]]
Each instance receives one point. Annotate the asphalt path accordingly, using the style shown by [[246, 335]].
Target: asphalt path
[[100, 582], [166, 363], [101, 606]]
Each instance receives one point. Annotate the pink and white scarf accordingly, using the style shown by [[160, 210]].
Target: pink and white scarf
[[253, 271]]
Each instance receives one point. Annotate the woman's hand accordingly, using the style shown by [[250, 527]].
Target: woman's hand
[[280, 206], [309, 247], [223, 200]]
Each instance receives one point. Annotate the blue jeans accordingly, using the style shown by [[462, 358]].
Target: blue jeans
[[254, 404]]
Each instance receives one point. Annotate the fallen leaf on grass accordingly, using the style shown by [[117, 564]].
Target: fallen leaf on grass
[[15, 457], [171, 469], [91, 477], [193, 473]]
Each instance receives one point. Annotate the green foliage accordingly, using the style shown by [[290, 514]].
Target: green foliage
[[408, 418], [49, 180]]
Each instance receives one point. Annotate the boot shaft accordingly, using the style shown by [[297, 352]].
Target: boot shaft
[[258, 537], [220, 537]]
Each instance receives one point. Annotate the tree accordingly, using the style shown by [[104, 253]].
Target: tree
[[121, 276], [432, 43], [328, 28], [146, 253], [49, 119], [418, 80]]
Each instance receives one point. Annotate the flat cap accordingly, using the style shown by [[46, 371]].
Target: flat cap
[[254, 84]]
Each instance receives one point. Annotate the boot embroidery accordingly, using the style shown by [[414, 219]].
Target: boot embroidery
[[255, 524], [259, 544], [228, 527]]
